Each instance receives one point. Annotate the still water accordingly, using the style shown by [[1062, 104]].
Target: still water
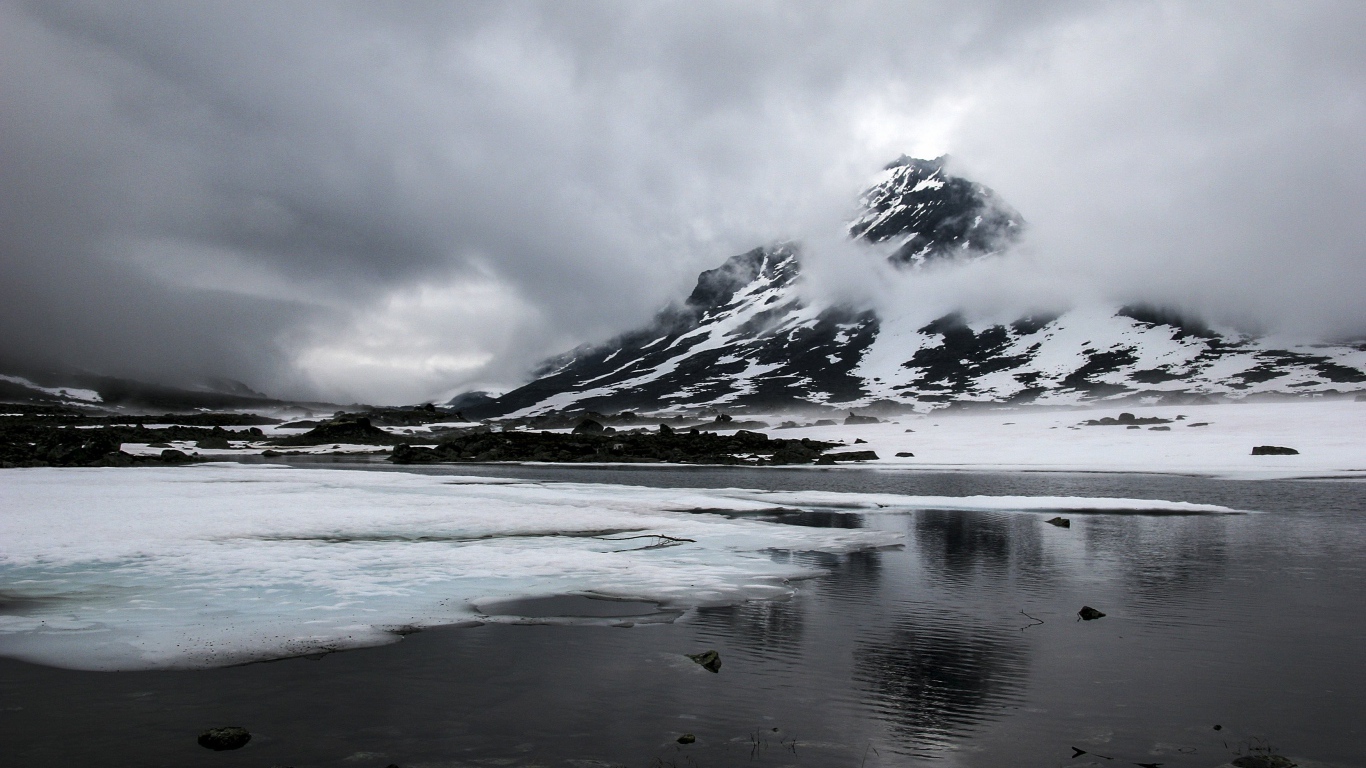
[[961, 648]]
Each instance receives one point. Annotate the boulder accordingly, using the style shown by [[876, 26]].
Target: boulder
[[172, 455], [708, 660], [228, 737], [905, 455], [851, 456], [1061, 522], [1087, 613], [854, 418], [215, 442], [687, 738], [589, 427], [1274, 450]]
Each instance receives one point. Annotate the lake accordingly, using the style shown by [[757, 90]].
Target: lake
[[1223, 635]]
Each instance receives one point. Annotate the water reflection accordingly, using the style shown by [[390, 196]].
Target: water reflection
[[958, 546], [821, 519], [762, 626], [934, 678], [1160, 558]]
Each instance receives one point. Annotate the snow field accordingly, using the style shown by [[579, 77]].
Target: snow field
[[1329, 434]]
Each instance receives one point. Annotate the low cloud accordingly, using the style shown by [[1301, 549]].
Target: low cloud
[[389, 202]]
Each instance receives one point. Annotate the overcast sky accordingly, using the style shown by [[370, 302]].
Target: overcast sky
[[391, 201]]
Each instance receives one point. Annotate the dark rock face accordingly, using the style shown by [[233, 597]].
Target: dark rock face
[[1274, 450], [221, 739], [936, 215], [743, 447]]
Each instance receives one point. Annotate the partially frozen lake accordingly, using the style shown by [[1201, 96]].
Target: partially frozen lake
[[868, 616]]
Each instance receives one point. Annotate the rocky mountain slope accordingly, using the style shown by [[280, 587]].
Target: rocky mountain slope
[[746, 339]]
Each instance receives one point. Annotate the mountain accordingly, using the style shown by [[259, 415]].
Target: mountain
[[93, 392], [933, 215], [746, 338]]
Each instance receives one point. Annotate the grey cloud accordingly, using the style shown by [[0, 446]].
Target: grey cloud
[[197, 189]]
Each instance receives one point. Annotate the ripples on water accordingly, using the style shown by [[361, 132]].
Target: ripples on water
[[962, 648]]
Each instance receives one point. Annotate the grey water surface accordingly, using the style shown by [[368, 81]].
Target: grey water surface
[[961, 648]]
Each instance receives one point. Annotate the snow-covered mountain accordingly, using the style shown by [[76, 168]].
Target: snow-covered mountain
[[747, 339]]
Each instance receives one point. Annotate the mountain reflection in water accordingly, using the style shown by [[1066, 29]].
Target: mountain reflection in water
[[934, 677]]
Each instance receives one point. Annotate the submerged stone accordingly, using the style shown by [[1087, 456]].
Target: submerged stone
[[1061, 522], [687, 738], [221, 739], [1087, 613], [708, 660], [1264, 761]]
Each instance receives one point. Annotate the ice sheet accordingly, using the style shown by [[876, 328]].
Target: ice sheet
[[220, 564]]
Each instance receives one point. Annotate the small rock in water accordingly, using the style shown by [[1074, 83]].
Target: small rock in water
[[860, 440], [1061, 522], [171, 454], [687, 738], [1263, 761], [220, 739], [905, 454], [709, 660], [1274, 450], [1087, 613]]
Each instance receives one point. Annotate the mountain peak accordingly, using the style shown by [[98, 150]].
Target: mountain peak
[[716, 287], [933, 214]]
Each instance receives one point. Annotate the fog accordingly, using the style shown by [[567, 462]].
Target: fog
[[391, 202]]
